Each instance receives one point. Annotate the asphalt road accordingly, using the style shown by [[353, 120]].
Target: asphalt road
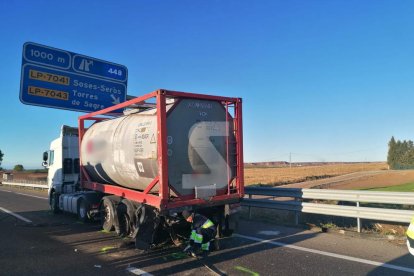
[[35, 242]]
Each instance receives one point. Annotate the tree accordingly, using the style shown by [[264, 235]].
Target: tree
[[400, 154], [18, 168], [391, 159]]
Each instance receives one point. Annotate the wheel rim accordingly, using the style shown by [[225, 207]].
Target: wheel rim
[[141, 215], [127, 227], [52, 201], [107, 214], [82, 210]]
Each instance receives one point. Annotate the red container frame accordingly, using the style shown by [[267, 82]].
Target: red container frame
[[162, 199]]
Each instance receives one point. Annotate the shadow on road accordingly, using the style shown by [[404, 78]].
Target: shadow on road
[[61, 245], [58, 246], [406, 261]]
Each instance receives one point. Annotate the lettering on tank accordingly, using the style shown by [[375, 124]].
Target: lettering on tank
[[200, 139], [199, 105], [142, 133]]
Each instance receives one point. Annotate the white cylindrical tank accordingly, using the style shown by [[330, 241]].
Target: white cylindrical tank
[[123, 151]]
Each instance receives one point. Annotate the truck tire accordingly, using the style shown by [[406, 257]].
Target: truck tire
[[140, 215], [149, 222], [123, 220], [129, 217], [83, 210], [54, 202], [107, 211]]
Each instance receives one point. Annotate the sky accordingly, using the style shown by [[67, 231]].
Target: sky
[[322, 80]]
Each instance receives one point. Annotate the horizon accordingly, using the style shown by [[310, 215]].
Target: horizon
[[320, 81], [245, 163]]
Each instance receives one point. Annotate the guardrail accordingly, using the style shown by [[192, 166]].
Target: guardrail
[[34, 184], [297, 205]]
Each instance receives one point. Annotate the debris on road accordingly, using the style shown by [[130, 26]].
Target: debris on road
[[246, 270], [106, 249]]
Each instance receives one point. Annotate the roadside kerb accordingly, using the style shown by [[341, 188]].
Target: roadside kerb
[[30, 185]]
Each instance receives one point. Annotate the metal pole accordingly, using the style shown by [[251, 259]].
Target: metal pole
[[250, 208], [296, 214], [358, 220]]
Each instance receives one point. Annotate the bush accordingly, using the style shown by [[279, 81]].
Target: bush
[[18, 168], [400, 154]]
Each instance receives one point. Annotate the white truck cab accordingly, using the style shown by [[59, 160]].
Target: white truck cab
[[62, 162]]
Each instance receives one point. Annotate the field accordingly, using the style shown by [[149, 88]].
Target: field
[[286, 175], [408, 187], [346, 176], [37, 175]]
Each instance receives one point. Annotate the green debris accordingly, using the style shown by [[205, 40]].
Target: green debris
[[106, 248], [240, 268], [105, 231], [175, 256], [79, 222], [179, 255]]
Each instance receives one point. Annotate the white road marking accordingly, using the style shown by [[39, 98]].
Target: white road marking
[[138, 271], [16, 215], [329, 254], [269, 233], [41, 197], [24, 194]]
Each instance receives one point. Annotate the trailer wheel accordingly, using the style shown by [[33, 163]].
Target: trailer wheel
[[83, 210], [140, 215], [129, 217], [107, 211], [127, 224], [149, 222], [54, 202], [123, 220]]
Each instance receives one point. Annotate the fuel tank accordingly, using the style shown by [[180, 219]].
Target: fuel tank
[[200, 142]]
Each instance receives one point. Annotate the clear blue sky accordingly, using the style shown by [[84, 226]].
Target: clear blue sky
[[326, 80]]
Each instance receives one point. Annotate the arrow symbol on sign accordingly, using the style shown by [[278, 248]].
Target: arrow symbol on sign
[[84, 66], [116, 100]]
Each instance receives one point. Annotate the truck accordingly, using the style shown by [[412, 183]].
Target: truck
[[136, 166]]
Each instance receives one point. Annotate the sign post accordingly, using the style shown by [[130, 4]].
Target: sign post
[[60, 79]]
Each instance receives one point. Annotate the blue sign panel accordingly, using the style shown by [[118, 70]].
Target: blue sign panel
[[61, 79]]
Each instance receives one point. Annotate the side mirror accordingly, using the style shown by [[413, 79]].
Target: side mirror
[[45, 156], [45, 164]]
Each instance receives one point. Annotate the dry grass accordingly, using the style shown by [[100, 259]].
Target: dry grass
[[286, 175], [27, 175]]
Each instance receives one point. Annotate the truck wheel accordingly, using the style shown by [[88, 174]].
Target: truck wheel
[[123, 220], [129, 217], [107, 211], [83, 210], [140, 215], [149, 222], [54, 202]]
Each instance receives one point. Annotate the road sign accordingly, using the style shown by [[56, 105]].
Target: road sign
[[65, 80]]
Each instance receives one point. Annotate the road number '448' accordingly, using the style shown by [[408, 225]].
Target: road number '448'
[[115, 71]]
